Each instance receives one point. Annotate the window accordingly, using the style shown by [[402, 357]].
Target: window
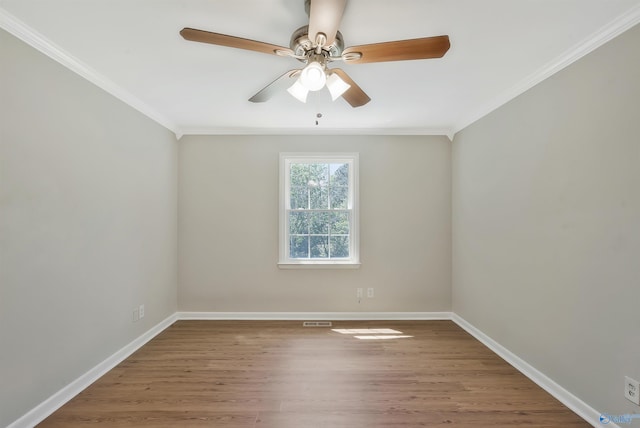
[[318, 210]]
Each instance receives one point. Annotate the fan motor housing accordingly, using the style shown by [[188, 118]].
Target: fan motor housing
[[301, 45]]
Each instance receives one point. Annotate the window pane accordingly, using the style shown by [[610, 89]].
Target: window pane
[[319, 214], [299, 247], [319, 223], [319, 197], [339, 174], [339, 197], [318, 174], [299, 197], [339, 246], [299, 174], [298, 223], [319, 247], [340, 223]]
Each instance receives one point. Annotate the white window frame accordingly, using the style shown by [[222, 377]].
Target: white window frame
[[286, 159]]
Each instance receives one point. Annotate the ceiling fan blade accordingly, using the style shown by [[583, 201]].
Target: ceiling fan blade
[[278, 85], [354, 95], [202, 36], [401, 50], [325, 17]]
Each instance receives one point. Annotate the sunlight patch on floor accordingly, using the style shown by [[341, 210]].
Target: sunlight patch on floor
[[366, 331], [372, 333], [381, 337]]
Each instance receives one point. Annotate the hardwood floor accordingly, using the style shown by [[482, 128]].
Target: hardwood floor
[[280, 374]]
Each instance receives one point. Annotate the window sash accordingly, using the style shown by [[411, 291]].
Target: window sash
[[329, 234], [286, 210]]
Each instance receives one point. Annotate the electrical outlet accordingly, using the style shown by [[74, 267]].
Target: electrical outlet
[[136, 315], [632, 390], [359, 293], [141, 311], [370, 293]]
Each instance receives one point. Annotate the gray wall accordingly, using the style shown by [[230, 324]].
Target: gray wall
[[228, 226], [545, 215], [88, 194], [546, 225]]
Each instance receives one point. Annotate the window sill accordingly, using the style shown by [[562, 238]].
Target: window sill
[[319, 265]]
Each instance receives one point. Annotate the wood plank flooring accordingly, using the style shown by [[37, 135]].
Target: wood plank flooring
[[280, 374]]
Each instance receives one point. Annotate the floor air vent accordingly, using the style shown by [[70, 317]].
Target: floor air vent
[[316, 324]]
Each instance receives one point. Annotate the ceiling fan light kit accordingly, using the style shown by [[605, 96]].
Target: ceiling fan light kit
[[336, 86], [298, 91], [313, 76], [320, 43], [315, 80]]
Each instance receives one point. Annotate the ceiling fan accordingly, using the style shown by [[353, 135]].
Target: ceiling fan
[[319, 44]]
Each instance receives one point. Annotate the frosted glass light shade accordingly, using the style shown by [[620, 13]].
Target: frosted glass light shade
[[313, 77], [336, 86], [299, 91]]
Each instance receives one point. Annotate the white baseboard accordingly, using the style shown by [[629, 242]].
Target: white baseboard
[[314, 316], [47, 407], [578, 406], [57, 400]]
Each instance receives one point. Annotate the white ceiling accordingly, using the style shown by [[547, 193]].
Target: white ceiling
[[132, 49]]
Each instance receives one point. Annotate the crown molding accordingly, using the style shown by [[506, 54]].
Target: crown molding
[[599, 38], [448, 132], [39, 42], [22, 31]]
